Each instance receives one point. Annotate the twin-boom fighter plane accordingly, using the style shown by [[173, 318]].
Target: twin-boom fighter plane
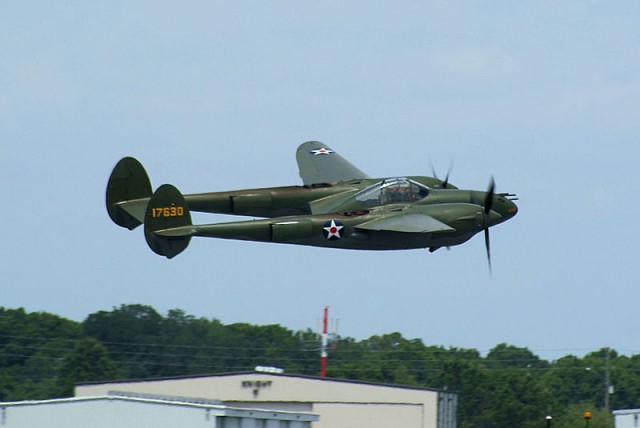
[[338, 206]]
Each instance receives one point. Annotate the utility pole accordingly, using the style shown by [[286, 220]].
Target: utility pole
[[607, 379]]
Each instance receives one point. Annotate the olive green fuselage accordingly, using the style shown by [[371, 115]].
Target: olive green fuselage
[[309, 230], [289, 216], [284, 201]]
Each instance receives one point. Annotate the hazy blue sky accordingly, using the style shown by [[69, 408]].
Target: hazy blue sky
[[543, 95]]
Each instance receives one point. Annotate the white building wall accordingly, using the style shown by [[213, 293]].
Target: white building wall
[[131, 412], [103, 414], [627, 418], [361, 415], [339, 403]]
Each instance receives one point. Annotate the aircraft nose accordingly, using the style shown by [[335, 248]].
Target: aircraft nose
[[504, 206], [510, 208]]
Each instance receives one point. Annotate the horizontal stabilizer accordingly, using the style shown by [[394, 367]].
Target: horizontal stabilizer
[[178, 231], [136, 208], [408, 223]]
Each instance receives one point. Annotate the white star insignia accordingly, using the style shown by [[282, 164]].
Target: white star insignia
[[322, 151], [333, 230]]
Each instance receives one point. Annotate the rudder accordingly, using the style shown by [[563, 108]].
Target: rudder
[[168, 213], [128, 181]]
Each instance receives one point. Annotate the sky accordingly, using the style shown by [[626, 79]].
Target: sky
[[211, 96]]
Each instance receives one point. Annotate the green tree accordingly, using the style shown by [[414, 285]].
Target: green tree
[[509, 356], [625, 382], [133, 335], [126, 324], [89, 361], [572, 416], [519, 399], [472, 382], [31, 348], [567, 380]]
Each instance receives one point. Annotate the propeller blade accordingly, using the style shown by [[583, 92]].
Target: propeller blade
[[487, 244], [445, 182], [488, 203], [433, 169], [488, 200]]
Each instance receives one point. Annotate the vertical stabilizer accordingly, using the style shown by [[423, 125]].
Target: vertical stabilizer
[[167, 212], [128, 181]]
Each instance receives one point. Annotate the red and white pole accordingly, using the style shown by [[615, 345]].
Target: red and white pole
[[323, 351]]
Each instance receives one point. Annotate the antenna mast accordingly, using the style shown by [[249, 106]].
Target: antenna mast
[[323, 350]]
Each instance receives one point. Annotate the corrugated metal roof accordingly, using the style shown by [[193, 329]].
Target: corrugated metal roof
[[172, 398], [626, 412], [157, 400]]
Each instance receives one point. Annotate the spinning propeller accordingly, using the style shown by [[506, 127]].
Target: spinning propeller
[[445, 183], [488, 203]]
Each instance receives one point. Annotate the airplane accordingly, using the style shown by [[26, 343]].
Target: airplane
[[338, 206]]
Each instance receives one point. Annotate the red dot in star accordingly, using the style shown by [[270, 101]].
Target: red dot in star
[[334, 230]]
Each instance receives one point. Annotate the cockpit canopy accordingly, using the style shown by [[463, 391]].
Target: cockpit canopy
[[391, 191]]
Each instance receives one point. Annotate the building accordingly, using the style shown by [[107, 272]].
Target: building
[[339, 403], [627, 418], [136, 410]]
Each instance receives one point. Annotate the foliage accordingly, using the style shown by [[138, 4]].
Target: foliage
[[89, 361], [43, 355], [32, 346], [573, 417]]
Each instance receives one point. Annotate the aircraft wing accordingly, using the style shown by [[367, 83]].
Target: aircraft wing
[[318, 163], [408, 223]]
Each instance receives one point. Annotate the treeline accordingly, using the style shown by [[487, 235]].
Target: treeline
[[44, 355]]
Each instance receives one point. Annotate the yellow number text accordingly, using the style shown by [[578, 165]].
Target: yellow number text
[[167, 212]]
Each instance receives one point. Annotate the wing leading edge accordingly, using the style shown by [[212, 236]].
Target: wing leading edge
[[318, 163]]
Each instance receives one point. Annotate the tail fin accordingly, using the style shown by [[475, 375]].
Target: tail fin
[[128, 181], [167, 225]]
